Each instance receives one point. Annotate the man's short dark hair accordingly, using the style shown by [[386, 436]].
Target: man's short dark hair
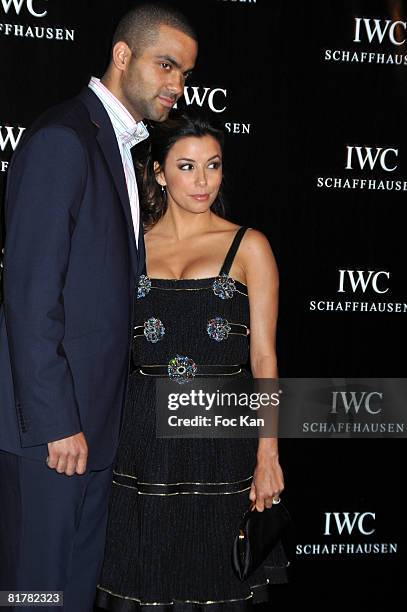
[[138, 28]]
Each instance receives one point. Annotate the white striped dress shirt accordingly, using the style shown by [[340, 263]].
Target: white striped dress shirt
[[129, 132]]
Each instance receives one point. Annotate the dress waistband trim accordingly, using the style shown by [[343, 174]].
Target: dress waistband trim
[[182, 488], [202, 370]]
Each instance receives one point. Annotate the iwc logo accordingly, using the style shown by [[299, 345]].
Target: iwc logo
[[353, 283], [359, 528], [9, 138], [360, 410], [382, 163], [30, 12], [372, 39], [216, 100]]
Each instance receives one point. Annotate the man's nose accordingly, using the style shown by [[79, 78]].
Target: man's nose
[[176, 83]]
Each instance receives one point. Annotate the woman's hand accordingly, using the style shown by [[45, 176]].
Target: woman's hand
[[267, 483]]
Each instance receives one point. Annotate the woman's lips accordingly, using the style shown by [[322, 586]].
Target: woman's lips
[[200, 197]]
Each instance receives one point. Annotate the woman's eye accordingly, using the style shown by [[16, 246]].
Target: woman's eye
[[165, 65], [214, 165], [185, 167]]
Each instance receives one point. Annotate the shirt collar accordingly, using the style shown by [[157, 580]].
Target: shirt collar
[[128, 131]]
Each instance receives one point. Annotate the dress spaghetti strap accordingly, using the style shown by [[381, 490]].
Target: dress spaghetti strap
[[230, 255]]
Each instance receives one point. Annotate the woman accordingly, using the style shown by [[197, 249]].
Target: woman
[[176, 503]]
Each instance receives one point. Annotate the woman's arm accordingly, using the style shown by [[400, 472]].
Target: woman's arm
[[263, 283]]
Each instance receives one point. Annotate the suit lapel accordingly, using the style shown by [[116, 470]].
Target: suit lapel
[[107, 141]]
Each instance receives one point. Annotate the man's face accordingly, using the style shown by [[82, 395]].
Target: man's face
[[153, 81]]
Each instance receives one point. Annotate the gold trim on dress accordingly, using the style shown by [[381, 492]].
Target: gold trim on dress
[[160, 365], [119, 484], [180, 483], [192, 288], [194, 601], [197, 376]]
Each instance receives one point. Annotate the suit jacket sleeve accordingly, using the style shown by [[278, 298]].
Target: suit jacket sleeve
[[46, 183]]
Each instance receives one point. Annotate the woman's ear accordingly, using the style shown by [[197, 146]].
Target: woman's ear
[[159, 174]]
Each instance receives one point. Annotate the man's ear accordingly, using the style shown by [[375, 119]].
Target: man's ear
[[121, 55], [159, 174]]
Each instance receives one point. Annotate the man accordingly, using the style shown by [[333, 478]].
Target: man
[[74, 246]]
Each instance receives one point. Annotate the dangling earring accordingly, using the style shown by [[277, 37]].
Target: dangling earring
[[163, 191]]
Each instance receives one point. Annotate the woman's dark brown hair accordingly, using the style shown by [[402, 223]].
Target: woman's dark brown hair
[[163, 136]]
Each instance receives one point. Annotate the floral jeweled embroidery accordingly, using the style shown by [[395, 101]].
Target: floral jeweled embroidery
[[181, 369], [154, 330], [224, 286], [218, 329], [143, 287]]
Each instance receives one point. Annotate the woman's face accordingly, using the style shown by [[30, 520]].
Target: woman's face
[[192, 173]]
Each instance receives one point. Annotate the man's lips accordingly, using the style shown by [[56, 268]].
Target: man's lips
[[168, 102]]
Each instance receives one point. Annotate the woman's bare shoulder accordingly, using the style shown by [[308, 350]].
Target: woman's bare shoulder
[[256, 255], [255, 242]]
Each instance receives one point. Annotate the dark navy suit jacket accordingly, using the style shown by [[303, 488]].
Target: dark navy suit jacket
[[70, 267]]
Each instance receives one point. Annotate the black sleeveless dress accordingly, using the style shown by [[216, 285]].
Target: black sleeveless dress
[[176, 503]]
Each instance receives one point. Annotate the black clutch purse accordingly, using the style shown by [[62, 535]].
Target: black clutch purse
[[258, 533]]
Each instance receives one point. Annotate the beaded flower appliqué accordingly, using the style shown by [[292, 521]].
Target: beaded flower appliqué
[[181, 369], [218, 329], [154, 330], [143, 287], [224, 286]]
